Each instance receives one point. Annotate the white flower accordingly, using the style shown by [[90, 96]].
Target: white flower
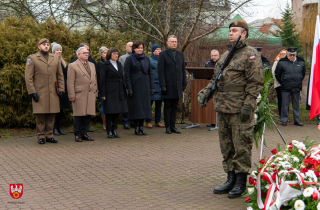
[[301, 152], [249, 208], [255, 116], [286, 165], [278, 159], [295, 159], [299, 205], [312, 176], [318, 206], [286, 204], [250, 190], [295, 142], [253, 174], [258, 98], [302, 146], [308, 192]]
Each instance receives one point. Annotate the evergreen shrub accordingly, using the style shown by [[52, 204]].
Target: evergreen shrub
[[19, 38]]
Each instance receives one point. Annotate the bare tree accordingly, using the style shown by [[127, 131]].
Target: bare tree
[[158, 19]]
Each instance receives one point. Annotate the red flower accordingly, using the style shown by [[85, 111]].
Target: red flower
[[247, 199], [304, 170], [274, 151], [251, 180], [290, 149], [262, 161], [273, 166], [317, 174], [260, 169], [274, 177], [290, 169], [264, 177]]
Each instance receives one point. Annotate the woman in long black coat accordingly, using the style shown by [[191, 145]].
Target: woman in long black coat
[[113, 91], [140, 86], [64, 98]]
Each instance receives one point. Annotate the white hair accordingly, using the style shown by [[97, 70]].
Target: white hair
[[171, 36], [79, 49], [214, 50], [102, 49], [129, 43]]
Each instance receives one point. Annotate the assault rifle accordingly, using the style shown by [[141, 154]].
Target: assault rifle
[[219, 75]]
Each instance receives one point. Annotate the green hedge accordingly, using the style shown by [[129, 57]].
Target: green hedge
[[19, 38]]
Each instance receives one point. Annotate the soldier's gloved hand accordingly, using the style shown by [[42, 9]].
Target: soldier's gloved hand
[[151, 91], [163, 90], [130, 93], [35, 97], [245, 113], [201, 98], [60, 93]]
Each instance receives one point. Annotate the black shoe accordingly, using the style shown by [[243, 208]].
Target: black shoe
[[240, 186], [126, 126], [298, 124], [114, 132], [141, 131], [52, 140], [90, 130], [41, 141], [56, 132], [110, 135], [137, 131], [211, 125], [284, 124], [228, 185], [168, 130], [175, 130], [61, 131]]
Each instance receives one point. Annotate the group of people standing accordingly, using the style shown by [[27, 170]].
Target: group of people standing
[[128, 85]]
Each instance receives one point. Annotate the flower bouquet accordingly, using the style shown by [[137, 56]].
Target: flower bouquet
[[288, 179]]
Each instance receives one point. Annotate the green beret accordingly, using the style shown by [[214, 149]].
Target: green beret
[[239, 23], [44, 40]]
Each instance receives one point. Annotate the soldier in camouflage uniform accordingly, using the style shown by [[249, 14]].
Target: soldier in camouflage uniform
[[235, 102]]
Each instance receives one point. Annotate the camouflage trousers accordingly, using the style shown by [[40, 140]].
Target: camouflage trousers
[[236, 140]]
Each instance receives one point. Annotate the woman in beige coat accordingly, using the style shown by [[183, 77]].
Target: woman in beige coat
[[277, 86]]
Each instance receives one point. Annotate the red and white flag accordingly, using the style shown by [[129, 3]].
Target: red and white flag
[[314, 85]]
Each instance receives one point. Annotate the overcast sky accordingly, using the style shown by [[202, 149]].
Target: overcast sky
[[260, 9]]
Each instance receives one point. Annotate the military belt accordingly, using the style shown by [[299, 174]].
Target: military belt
[[231, 88]]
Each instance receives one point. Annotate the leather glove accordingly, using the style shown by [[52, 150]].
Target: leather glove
[[60, 93], [151, 91], [130, 93], [163, 90], [201, 97], [245, 113], [35, 97]]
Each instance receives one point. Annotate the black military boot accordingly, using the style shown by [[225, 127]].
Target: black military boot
[[110, 134], [240, 186], [228, 185]]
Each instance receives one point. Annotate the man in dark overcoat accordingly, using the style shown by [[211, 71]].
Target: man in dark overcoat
[[290, 72], [44, 80], [172, 79]]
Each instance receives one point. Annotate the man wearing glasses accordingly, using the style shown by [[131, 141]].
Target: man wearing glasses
[[90, 59], [290, 72], [82, 90]]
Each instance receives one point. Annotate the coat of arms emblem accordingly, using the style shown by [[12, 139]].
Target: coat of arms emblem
[[16, 190]]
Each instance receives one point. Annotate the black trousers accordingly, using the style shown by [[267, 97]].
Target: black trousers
[[138, 123], [81, 125], [285, 105], [170, 112], [112, 121], [279, 97]]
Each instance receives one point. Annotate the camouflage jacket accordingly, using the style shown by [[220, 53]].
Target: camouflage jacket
[[245, 69]]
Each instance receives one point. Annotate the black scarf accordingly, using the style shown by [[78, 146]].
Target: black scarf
[[142, 59]]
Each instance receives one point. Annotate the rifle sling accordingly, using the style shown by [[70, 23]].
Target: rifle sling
[[231, 88]]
